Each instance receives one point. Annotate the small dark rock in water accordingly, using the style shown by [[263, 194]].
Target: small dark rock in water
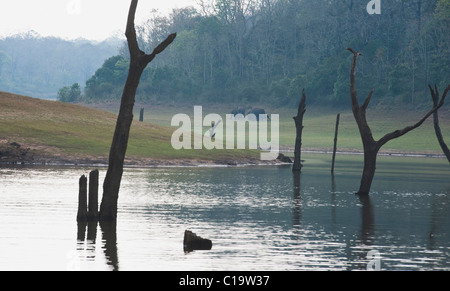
[[193, 242], [284, 159]]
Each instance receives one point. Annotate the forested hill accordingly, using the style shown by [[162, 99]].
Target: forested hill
[[265, 51], [38, 66]]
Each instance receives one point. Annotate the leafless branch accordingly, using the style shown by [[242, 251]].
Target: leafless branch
[[398, 133]]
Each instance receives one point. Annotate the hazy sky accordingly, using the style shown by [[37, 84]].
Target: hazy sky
[[91, 19]]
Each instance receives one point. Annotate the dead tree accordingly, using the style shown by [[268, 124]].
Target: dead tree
[[437, 128], [370, 145], [335, 142], [138, 62], [297, 167]]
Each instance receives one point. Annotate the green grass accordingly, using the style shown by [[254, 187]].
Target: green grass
[[79, 130], [319, 127], [56, 127]]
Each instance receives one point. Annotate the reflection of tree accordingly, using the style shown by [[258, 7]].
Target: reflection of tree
[[367, 220], [297, 199], [81, 234], [109, 234], [109, 238], [440, 206], [359, 256], [333, 199]]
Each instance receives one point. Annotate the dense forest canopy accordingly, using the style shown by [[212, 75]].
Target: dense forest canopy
[[265, 51]]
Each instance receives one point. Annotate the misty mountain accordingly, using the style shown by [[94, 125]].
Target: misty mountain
[[38, 66]]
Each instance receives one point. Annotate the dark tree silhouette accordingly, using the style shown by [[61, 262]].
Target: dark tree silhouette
[[437, 128], [370, 145], [138, 62], [297, 167]]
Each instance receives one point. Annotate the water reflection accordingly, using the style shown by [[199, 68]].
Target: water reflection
[[109, 241], [91, 231], [297, 212], [109, 234], [333, 198], [257, 219], [439, 207], [367, 220]]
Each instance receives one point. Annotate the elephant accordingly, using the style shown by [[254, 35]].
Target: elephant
[[256, 112], [239, 110]]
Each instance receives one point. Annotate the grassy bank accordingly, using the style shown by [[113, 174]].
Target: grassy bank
[[67, 131], [319, 126], [58, 130], [319, 129]]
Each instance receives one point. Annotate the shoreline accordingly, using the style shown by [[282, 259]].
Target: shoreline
[[15, 155], [146, 163]]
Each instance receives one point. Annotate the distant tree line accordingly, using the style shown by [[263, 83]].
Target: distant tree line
[[38, 66], [265, 51], [70, 94]]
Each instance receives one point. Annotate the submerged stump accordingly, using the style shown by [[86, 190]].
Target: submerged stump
[[193, 242], [299, 129], [92, 214], [82, 200]]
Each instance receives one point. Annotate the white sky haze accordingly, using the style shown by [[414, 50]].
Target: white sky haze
[[71, 19]]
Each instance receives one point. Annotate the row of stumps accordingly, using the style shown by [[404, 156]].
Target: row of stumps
[[88, 214], [88, 204]]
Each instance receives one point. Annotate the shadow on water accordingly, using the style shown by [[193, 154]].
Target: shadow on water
[[109, 240]]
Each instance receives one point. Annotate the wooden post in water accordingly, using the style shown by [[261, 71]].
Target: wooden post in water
[[92, 214], [141, 116], [82, 200], [299, 128], [335, 142]]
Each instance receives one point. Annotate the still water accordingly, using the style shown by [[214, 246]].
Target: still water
[[258, 218]]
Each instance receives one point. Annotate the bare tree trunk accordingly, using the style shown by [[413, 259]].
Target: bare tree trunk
[[336, 130], [138, 62], [371, 146], [437, 128], [298, 140], [370, 166]]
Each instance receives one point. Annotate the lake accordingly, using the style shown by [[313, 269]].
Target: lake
[[258, 218]]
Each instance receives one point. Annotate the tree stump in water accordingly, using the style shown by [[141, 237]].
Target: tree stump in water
[[141, 115], [193, 242], [299, 129], [82, 200], [92, 214]]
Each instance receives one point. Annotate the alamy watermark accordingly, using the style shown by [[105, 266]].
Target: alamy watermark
[[216, 137], [74, 7], [374, 261], [374, 7]]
